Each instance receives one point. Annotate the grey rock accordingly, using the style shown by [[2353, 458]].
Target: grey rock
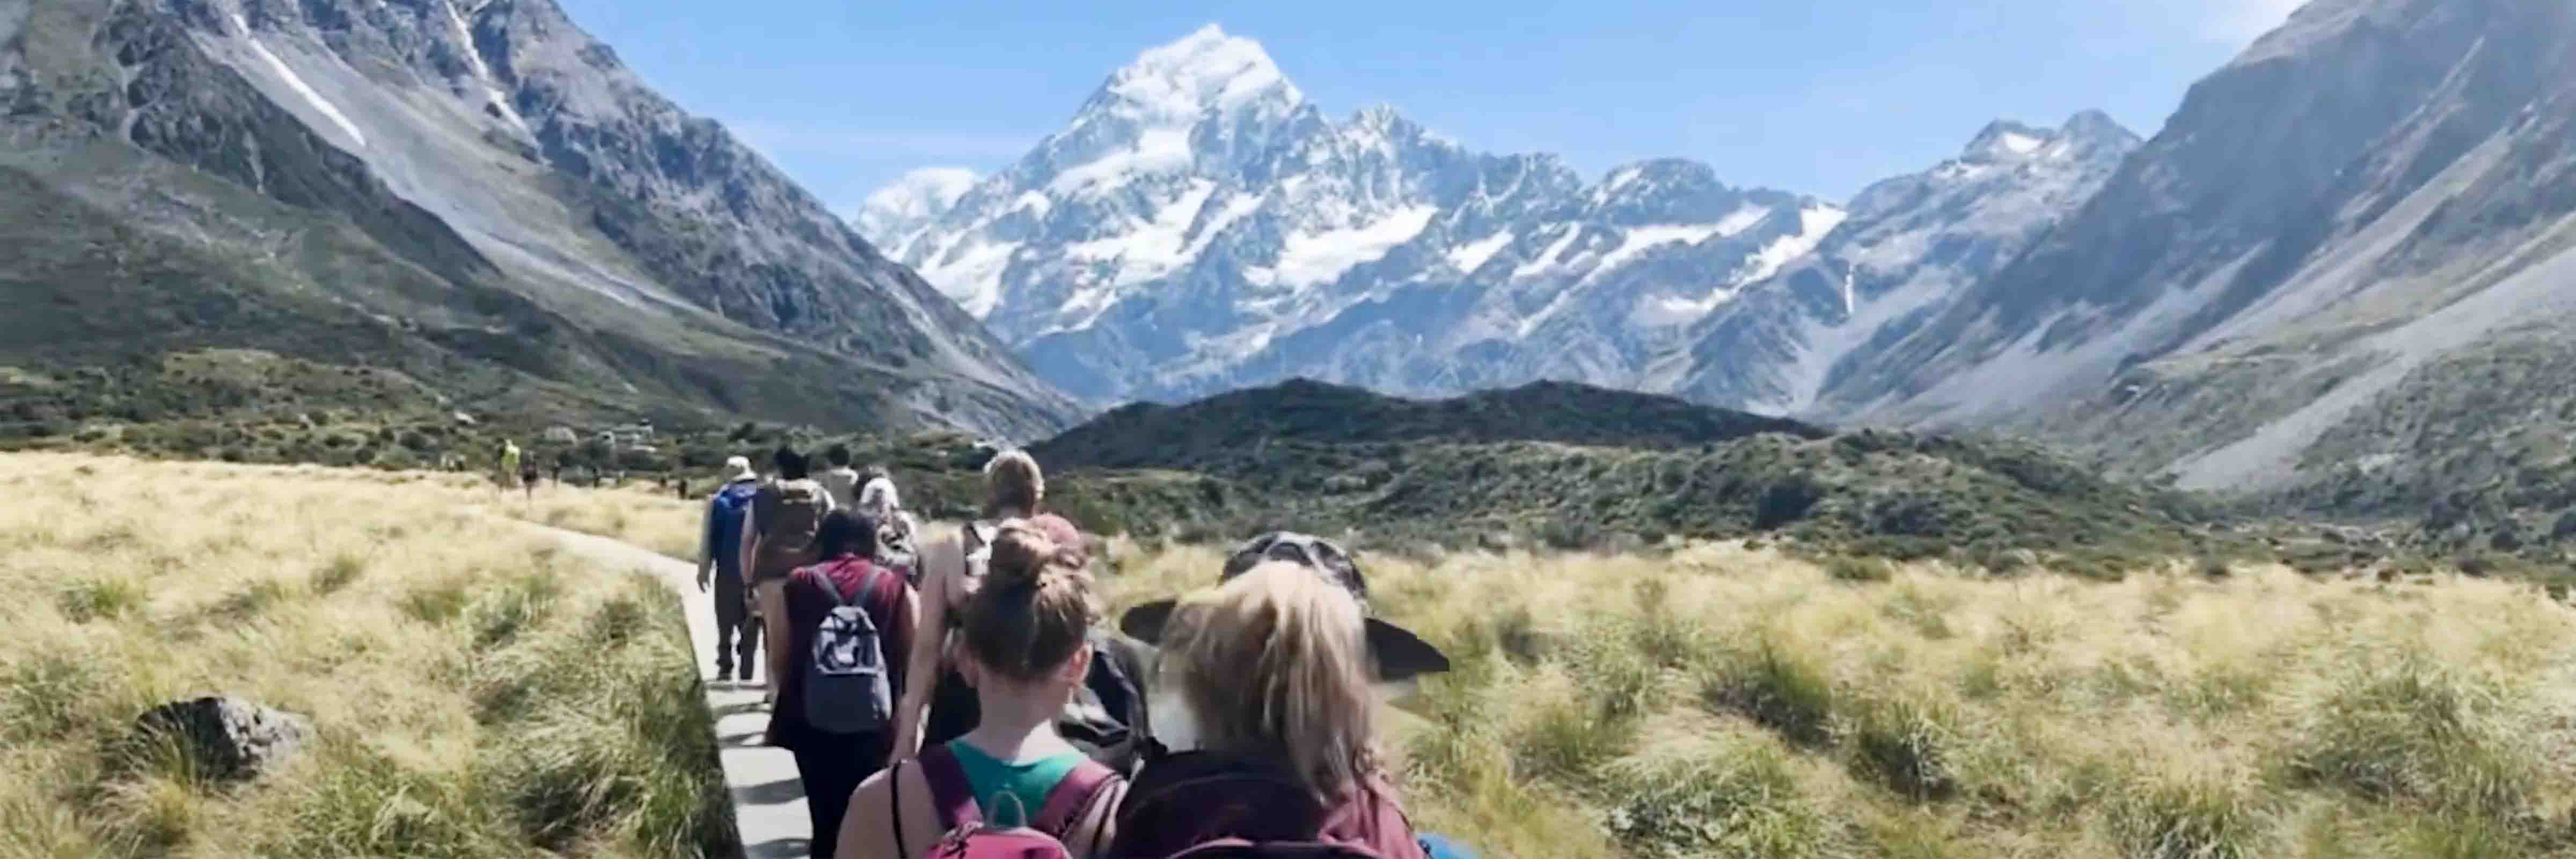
[[229, 738]]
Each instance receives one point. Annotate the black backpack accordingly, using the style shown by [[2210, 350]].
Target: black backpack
[[1204, 806], [1106, 718]]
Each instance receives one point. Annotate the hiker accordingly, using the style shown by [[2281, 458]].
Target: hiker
[[778, 538], [720, 563], [841, 480], [878, 500], [951, 569], [849, 622], [528, 479], [1022, 652], [509, 464], [1271, 674], [1393, 658]]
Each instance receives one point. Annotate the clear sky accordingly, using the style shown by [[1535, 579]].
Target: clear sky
[[1815, 96]]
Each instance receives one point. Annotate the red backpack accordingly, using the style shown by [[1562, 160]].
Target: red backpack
[[1195, 805], [970, 837]]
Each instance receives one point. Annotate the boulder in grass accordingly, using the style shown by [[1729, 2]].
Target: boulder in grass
[[229, 738]]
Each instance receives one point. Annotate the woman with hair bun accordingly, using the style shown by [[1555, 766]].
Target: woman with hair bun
[[1022, 648]]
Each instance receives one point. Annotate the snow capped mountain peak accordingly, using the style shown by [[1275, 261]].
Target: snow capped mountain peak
[[2084, 136], [1203, 71], [1199, 225], [2006, 140], [891, 216], [2095, 127]]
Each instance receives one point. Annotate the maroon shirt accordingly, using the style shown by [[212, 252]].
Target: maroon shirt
[[808, 604]]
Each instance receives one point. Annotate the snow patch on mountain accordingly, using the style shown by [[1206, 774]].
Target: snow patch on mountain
[[286, 75], [894, 215], [969, 271], [1814, 223], [1472, 256], [1308, 259]]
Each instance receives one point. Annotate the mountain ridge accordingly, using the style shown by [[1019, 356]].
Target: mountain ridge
[[1200, 225], [487, 187]]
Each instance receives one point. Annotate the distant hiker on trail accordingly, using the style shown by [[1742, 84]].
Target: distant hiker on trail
[[684, 489], [841, 480], [785, 514], [720, 563], [1271, 674], [896, 546], [1022, 651], [951, 570], [850, 622], [509, 463]]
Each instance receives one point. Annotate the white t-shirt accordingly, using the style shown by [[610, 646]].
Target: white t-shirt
[[843, 485]]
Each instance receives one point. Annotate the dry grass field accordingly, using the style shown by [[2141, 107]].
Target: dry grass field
[[1712, 700], [1723, 701], [475, 693], [1718, 701]]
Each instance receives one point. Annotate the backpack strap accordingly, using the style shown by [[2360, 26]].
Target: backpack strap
[[949, 792], [1076, 793]]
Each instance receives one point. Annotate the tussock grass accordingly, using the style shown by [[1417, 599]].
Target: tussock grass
[[476, 695], [1713, 699], [1717, 700], [652, 520]]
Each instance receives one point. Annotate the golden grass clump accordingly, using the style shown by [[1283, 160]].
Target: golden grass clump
[[1723, 701], [1720, 700], [475, 692]]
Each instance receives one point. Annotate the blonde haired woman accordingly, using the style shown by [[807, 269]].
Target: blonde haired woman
[[1023, 651], [1273, 670]]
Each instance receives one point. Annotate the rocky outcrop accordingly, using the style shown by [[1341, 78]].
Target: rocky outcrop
[[228, 738]]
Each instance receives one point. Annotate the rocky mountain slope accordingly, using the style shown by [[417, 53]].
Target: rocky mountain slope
[[1199, 225], [1910, 245], [471, 195], [2289, 286]]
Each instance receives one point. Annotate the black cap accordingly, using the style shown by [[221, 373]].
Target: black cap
[[1398, 653]]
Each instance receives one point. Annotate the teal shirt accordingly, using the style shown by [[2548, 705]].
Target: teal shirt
[[990, 778]]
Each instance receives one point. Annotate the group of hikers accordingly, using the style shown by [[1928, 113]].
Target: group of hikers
[[958, 695]]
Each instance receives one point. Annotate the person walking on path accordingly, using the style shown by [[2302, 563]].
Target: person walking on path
[[938, 705], [1023, 650], [836, 703], [720, 568], [779, 538], [509, 464], [1272, 673], [840, 479]]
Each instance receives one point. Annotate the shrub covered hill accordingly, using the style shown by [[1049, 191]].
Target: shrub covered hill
[[1572, 466]]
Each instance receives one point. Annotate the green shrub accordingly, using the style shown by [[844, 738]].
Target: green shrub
[[1906, 743], [1737, 800], [1775, 688], [2187, 819], [2403, 729], [101, 598], [342, 570], [1859, 570]]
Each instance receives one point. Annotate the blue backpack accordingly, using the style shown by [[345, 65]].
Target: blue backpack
[[732, 503]]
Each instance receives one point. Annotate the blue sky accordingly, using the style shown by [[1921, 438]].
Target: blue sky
[[1815, 96]]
